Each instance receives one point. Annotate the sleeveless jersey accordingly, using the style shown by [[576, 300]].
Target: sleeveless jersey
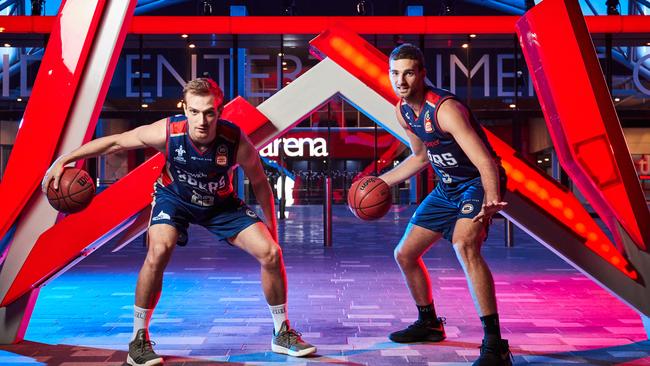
[[448, 159], [200, 178]]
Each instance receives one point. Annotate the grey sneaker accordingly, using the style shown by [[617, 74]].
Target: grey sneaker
[[141, 352], [288, 341]]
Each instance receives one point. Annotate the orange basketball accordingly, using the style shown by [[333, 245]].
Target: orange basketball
[[369, 198], [76, 190]]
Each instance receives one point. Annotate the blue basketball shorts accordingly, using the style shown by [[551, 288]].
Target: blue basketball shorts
[[224, 220], [446, 204]]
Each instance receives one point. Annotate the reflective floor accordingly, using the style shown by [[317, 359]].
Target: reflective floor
[[344, 299]]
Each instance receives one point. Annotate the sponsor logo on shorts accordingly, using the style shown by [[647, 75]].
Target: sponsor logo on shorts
[[162, 216], [250, 213], [467, 208]]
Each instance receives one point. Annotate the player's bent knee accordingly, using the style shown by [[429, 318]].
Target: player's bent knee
[[403, 258], [467, 249], [271, 257], [159, 253]]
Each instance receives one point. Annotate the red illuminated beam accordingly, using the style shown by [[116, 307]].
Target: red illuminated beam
[[86, 40], [560, 204], [581, 119], [316, 24], [57, 82]]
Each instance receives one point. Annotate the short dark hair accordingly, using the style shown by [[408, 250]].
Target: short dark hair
[[203, 87], [408, 51]]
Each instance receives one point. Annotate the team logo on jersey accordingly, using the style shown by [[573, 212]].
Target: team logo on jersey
[[428, 126], [179, 154], [222, 155], [251, 213], [467, 208]]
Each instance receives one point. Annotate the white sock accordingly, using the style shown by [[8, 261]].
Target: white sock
[[279, 313], [141, 318]]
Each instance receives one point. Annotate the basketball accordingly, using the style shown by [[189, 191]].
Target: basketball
[[76, 190], [369, 198]]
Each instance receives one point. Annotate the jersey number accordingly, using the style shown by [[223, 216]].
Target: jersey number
[[205, 201]]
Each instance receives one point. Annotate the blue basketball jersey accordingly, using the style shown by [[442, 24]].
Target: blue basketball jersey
[[448, 159], [200, 178]]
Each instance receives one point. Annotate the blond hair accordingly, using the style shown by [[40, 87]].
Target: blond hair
[[202, 87]]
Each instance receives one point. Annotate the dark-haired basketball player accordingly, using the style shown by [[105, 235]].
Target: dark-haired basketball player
[[195, 187], [443, 132]]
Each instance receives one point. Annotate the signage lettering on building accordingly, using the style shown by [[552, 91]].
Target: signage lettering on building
[[296, 147], [492, 74]]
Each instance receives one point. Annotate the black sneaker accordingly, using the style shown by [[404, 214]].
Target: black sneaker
[[421, 331], [141, 351], [494, 353]]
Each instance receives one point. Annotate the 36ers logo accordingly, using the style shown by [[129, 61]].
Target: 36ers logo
[[222, 155], [467, 208], [428, 126]]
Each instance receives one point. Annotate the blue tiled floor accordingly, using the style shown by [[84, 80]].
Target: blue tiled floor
[[345, 299]]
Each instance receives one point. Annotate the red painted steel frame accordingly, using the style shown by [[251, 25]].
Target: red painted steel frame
[[317, 24]]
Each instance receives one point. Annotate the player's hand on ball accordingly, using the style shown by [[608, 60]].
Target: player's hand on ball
[[53, 173]]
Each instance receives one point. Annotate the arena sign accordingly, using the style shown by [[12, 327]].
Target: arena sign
[[296, 147]]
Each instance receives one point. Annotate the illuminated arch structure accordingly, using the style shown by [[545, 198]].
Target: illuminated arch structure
[[593, 153]]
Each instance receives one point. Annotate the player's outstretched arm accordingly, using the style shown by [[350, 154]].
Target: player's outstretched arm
[[152, 135], [417, 161], [249, 159]]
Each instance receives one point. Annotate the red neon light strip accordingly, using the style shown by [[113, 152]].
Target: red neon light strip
[[316, 24], [56, 84], [360, 58], [581, 119], [356, 55], [559, 203]]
